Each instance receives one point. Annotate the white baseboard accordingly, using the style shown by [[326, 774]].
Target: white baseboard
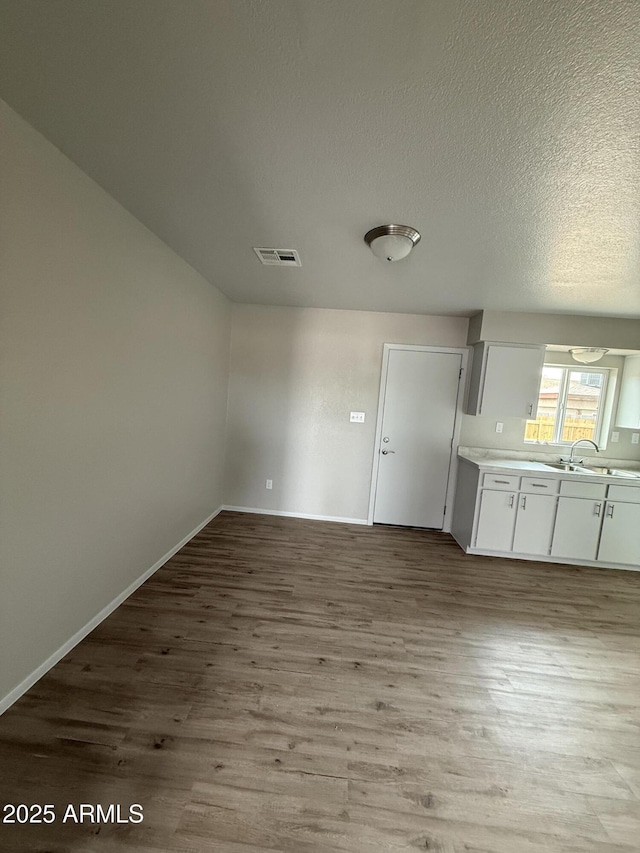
[[545, 558], [51, 661], [337, 518]]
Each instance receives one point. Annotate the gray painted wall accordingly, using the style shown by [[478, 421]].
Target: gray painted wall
[[113, 378], [296, 373]]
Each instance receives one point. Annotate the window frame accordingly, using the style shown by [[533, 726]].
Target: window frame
[[563, 394]]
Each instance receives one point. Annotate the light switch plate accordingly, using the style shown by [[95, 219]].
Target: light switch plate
[[635, 437], [269, 484], [615, 436], [356, 417], [499, 426]]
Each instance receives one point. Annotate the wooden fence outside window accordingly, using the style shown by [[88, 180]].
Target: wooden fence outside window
[[542, 429]]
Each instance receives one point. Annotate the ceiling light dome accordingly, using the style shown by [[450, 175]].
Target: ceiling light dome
[[391, 242], [587, 355]]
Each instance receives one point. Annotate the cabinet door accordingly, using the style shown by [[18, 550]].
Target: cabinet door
[[628, 413], [577, 528], [620, 539], [511, 381], [496, 520], [534, 524]]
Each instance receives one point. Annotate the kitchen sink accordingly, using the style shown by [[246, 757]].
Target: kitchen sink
[[575, 468], [615, 472], [569, 466]]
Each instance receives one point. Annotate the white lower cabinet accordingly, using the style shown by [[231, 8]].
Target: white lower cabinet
[[519, 523], [577, 528], [534, 524], [620, 538], [581, 518], [496, 520]]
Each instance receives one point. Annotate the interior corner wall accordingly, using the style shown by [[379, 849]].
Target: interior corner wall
[[113, 387], [296, 374]]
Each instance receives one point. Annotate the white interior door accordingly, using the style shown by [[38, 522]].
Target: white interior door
[[415, 442]]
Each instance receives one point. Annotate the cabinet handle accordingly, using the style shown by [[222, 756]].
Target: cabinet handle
[[596, 510], [530, 409], [610, 508], [524, 502], [511, 499], [539, 485], [505, 482]]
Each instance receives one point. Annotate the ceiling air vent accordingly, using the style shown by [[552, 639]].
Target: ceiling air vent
[[278, 257]]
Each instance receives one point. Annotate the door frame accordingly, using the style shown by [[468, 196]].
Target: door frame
[[457, 424]]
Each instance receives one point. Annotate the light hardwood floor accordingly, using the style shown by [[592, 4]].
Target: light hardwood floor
[[303, 686]]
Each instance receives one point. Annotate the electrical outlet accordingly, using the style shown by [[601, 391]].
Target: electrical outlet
[[269, 484], [615, 437], [356, 417], [499, 426], [635, 437]]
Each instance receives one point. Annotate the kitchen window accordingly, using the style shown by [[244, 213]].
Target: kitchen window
[[571, 405]]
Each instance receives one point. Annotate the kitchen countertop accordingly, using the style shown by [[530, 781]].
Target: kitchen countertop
[[513, 464], [487, 461]]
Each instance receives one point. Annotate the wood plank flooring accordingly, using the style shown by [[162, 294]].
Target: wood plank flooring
[[290, 685]]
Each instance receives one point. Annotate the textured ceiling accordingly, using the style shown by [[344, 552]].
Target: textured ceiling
[[506, 131]]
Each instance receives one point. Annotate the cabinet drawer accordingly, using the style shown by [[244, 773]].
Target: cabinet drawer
[[539, 485], [500, 481], [578, 489], [628, 494]]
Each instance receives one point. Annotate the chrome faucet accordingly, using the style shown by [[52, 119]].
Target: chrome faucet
[[571, 460]]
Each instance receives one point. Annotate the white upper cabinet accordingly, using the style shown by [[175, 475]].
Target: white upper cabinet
[[628, 416], [505, 380]]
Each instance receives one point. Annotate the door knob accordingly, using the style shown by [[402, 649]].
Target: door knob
[[384, 452]]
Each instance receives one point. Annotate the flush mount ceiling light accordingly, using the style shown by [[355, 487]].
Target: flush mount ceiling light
[[587, 355], [391, 242]]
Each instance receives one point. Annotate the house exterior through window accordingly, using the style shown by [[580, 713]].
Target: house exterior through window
[[570, 405]]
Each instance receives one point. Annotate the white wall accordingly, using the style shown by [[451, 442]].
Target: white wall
[[295, 375], [113, 381]]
